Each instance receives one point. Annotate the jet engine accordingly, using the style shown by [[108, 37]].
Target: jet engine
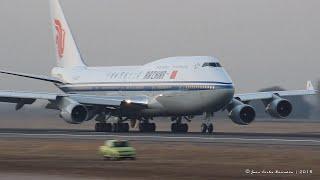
[[72, 112], [241, 113], [278, 107]]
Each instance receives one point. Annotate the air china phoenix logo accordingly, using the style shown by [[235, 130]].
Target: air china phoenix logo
[[60, 37]]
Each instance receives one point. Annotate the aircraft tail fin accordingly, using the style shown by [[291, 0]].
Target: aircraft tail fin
[[67, 52]]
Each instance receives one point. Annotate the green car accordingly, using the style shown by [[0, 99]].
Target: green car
[[116, 149]]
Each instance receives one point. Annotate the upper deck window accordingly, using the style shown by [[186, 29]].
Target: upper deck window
[[212, 64]]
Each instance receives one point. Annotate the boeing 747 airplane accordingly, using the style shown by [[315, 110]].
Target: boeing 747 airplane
[[177, 87]]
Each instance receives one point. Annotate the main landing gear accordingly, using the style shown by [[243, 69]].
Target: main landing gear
[[117, 126], [103, 127], [178, 126], [120, 127], [146, 126], [207, 124], [111, 127]]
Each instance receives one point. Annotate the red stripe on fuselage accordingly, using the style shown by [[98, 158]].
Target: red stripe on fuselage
[[174, 75]]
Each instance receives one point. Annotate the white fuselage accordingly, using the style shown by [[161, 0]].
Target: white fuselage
[[177, 85]]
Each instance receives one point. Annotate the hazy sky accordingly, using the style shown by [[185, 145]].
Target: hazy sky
[[261, 43]]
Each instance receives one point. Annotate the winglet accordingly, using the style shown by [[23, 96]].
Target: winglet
[[310, 86]]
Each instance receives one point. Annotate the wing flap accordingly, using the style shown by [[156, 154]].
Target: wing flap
[[115, 101], [13, 96], [269, 95], [96, 100], [22, 98]]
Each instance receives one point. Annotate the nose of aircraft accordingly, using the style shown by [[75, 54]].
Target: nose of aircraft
[[224, 76]]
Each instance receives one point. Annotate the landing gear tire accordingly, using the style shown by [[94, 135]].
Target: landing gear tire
[[179, 128], [152, 127], [147, 127], [210, 129], [204, 128], [108, 127], [99, 127], [207, 128], [174, 127], [115, 127], [123, 127], [120, 127], [103, 127], [185, 128]]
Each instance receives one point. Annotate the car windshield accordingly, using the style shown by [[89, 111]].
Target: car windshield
[[121, 144]]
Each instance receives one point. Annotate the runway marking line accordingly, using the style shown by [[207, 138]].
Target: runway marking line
[[167, 137]]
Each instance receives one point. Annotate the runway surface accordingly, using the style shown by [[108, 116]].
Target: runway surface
[[301, 139]]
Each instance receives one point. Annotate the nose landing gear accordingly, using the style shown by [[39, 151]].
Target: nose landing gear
[[207, 123]]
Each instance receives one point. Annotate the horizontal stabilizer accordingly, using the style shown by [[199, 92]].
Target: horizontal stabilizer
[[31, 76]]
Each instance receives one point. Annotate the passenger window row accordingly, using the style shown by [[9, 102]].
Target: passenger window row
[[199, 87]]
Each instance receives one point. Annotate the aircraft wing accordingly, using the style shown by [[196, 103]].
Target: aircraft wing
[[115, 101], [32, 76], [23, 98], [268, 95]]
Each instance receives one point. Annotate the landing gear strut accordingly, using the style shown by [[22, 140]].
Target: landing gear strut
[[146, 126], [207, 124], [178, 126]]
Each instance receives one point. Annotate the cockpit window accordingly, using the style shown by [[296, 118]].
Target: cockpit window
[[211, 64]]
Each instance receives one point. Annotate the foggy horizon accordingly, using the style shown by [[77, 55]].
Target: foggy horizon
[[260, 43]]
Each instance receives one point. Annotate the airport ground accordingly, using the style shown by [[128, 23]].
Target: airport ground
[[77, 158]]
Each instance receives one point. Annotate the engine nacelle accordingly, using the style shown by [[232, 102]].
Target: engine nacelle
[[241, 113], [279, 108], [72, 112]]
